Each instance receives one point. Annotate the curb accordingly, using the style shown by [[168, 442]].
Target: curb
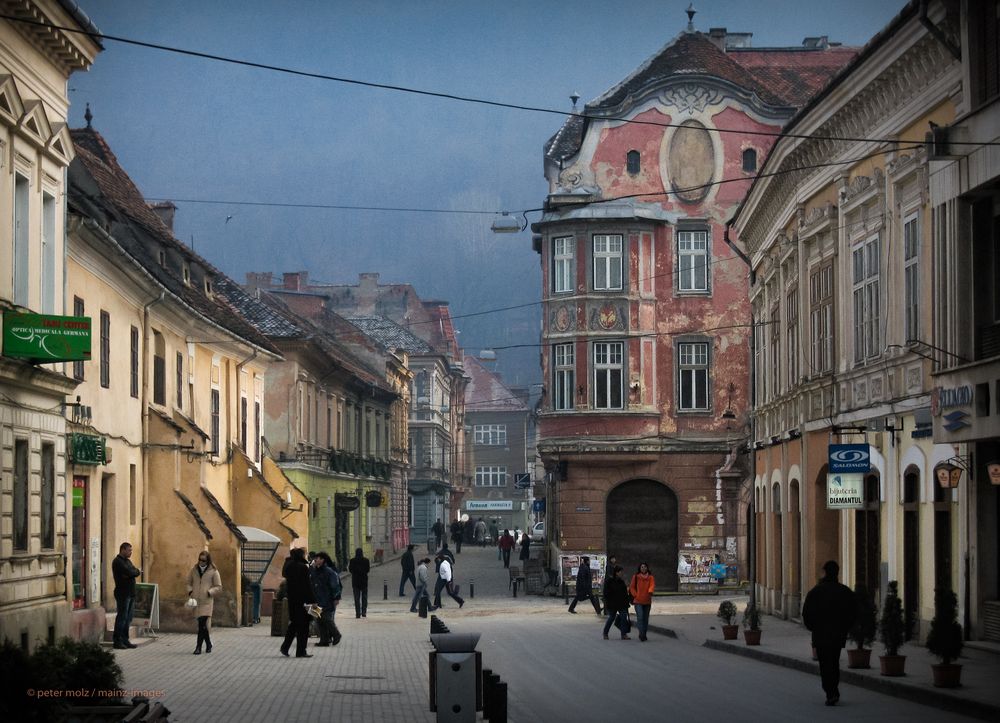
[[886, 686]]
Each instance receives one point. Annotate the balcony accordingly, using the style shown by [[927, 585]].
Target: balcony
[[343, 462]]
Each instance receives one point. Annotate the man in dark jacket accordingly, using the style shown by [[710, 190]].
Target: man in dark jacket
[[326, 589], [359, 567], [408, 566], [829, 612], [299, 594], [438, 529], [584, 587], [125, 574]]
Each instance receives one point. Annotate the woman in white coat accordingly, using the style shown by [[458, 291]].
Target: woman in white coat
[[204, 583]]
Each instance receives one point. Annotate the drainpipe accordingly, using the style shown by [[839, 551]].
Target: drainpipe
[[752, 521], [145, 427]]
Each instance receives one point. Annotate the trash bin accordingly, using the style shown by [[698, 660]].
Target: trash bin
[[456, 670]]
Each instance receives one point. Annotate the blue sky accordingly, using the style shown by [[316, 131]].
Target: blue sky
[[187, 128]]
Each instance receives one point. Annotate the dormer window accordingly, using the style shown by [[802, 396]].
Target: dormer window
[[208, 286], [161, 257], [632, 162], [186, 272]]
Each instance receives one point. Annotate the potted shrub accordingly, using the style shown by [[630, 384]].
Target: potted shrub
[[727, 614], [751, 624], [945, 639], [862, 634], [891, 632]]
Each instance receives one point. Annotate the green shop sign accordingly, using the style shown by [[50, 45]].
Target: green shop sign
[[44, 338], [86, 449]]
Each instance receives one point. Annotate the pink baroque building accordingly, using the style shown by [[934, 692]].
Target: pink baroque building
[[646, 320]]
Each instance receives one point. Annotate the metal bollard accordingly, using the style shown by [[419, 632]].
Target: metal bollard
[[385, 589], [491, 682], [487, 679], [472, 587], [422, 607], [499, 714]]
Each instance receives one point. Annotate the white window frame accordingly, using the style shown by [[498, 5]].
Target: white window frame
[[821, 318], [692, 261], [563, 248], [792, 335], [911, 277], [608, 262], [22, 239], [866, 266], [491, 434], [563, 376], [693, 370], [48, 280], [491, 476], [609, 374]]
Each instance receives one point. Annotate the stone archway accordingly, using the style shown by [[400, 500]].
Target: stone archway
[[642, 527]]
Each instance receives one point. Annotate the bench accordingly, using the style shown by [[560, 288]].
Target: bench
[[516, 578]]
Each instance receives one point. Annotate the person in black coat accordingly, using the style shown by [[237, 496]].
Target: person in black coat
[[584, 587], [829, 612], [615, 599], [298, 587], [408, 566], [359, 567]]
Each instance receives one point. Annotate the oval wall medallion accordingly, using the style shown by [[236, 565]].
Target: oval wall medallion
[[690, 162]]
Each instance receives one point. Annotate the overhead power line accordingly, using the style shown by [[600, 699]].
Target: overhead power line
[[450, 96]]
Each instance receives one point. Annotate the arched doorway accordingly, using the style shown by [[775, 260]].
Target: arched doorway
[[825, 529], [642, 527], [911, 550], [867, 545]]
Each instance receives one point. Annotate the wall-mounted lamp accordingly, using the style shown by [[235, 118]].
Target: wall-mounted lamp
[[993, 470], [949, 472]]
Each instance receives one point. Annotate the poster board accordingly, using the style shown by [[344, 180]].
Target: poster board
[[569, 563], [146, 611]]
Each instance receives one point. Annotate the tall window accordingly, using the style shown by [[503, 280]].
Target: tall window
[[105, 349], [21, 240], [491, 476], [911, 277], [792, 335], [564, 376], [179, 380], [494, 434], [692, 260], [749, 160], [159, 369], [48, 253], [48, 495], [692, 376], [133, 362], [244, 411], [867, 311], [821, 318], [609, 367], [607, 262], [562, 264], [78, 310], [632, 162], [256, 430], [215, 421], [984, 50], [20, 494], [775, 334]]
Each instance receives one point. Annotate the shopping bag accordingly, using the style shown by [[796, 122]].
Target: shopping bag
[[624, 622]]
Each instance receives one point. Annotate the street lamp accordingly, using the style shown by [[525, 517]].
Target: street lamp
[[949, 472], [505, 223]]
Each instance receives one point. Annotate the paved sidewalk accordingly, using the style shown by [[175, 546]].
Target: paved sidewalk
[[788, 644]]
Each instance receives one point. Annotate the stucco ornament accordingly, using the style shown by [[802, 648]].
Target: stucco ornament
[[691, 98], [570, 179], [690, 165]]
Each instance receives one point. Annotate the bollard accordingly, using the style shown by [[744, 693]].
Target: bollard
[[385, 589], [422, 607], [492, 682], [487, 685], [500, 706], [472, 587], [565, 588], [455, 667]]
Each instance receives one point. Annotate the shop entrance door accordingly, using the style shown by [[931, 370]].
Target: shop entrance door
[[642, 527]]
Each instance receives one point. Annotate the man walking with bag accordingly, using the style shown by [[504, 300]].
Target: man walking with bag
[[584, 587], [829, 612]]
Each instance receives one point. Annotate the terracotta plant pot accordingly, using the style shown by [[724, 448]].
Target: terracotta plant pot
[[859, 658], [893, 665], [730, 632], [947, 675], [752, 637]]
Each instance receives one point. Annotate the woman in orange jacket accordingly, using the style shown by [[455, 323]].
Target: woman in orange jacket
[[641, 589]]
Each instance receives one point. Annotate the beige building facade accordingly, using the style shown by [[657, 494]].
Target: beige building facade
[[35, 150]]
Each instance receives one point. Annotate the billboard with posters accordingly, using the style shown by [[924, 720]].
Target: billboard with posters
[[569, 563]]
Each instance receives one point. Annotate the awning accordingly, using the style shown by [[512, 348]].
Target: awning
[[255, 534]]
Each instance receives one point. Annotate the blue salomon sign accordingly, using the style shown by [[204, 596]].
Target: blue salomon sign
[[849, 458]]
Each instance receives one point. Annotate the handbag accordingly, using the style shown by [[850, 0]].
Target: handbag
[[623, 622]]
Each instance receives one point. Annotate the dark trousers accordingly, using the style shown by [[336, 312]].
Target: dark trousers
[[829, 669], [361, 602], [298, 630], [506, 557], [458, 544], [593, 601], [123, 618], [203, 636], [446, 586], [407, 575]]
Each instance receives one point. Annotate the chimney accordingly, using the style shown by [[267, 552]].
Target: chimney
[[258, 280], [367, 293], [718, 37], [165, 210], [295, 280], [820, 42]]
